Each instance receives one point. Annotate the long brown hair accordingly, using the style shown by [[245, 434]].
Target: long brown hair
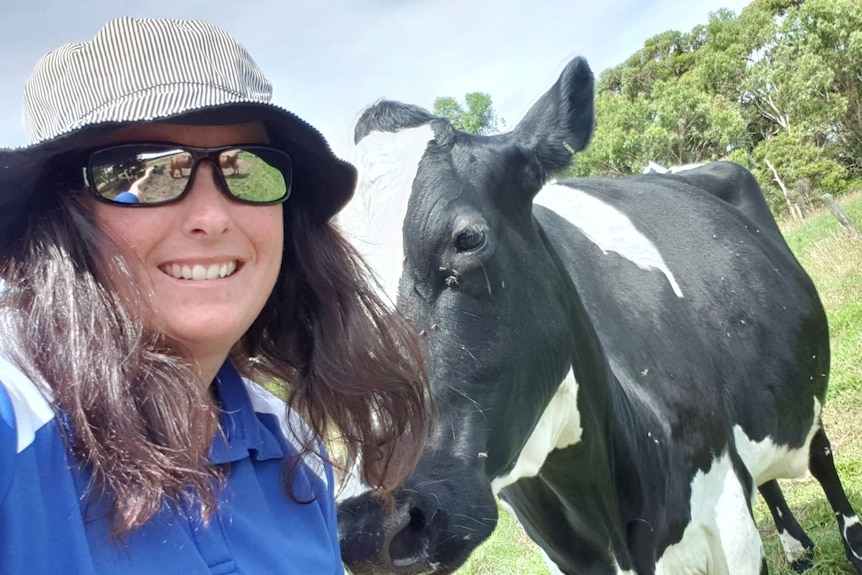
[[141, 421]]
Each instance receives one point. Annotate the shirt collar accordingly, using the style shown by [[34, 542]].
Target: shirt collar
[[241, 433]]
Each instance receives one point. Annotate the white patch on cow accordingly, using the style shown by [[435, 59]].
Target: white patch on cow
[[793, 548], [653, 168], [352, 484], [766, 461], [620, 571], [553, 569], [721, 538], [372, 221], [607, 227], [850, 521], [559, 427]]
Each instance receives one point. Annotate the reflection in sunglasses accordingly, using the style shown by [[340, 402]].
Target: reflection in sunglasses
[[156, 174]]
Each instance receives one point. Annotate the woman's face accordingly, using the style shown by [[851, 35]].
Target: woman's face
[[205, 231]]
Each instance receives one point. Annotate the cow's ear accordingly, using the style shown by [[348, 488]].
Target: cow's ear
[[561, 122]]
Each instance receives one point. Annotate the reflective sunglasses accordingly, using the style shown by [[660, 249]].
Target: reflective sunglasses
[[154, 174]]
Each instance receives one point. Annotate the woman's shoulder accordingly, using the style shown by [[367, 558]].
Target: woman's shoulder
[[291, 425], [24, 408], [25, 415]]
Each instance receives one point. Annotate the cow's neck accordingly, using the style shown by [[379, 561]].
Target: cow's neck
[[604, 407], [584, 477], [577, 487]]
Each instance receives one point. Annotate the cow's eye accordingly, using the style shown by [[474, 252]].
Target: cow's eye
[[469, 239]]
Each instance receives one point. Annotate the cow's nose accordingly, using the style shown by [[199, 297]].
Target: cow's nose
[[378, 542]]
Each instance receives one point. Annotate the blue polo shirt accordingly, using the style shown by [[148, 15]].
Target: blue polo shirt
[[49, 525]]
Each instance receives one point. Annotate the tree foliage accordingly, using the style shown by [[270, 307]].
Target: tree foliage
[[777, 88], [779, 84], [477, 117]]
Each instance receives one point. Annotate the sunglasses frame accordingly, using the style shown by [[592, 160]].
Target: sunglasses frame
[[198, 155]]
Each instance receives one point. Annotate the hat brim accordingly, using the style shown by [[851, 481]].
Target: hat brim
[[322, 182]]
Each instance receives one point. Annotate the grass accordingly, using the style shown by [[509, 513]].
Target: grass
[[256, 180], [834, 261]]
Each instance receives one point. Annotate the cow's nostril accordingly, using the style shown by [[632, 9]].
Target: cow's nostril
[[407, 545], [417, 519]]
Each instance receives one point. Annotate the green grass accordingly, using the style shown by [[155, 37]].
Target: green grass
[[256, 180], [834, 261]]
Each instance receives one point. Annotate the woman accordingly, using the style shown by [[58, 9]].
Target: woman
[[132, 439]]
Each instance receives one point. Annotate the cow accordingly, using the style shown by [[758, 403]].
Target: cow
[[736, 187], [179, 163], [654, 168], [622, 361], [229, 159]]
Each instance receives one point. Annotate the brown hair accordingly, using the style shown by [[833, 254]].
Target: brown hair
[[139, 418]]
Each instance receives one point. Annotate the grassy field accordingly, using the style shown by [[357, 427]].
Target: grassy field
[[834, 261]]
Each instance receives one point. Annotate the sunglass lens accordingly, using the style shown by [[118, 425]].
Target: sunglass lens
[[140, 174], [256, 175]]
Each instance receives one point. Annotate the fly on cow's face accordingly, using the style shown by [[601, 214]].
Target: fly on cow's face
[[451, 279]]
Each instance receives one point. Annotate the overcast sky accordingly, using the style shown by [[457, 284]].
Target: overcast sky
[[329, 59]]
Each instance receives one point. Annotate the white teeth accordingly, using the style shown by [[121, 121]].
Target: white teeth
[[200, 272]]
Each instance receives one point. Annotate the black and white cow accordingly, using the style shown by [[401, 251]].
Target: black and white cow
[[620, 360]]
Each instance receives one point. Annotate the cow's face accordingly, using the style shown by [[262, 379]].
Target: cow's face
[[492, 303], [476, 277]]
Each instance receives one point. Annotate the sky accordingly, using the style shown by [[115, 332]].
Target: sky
[[328, 60]]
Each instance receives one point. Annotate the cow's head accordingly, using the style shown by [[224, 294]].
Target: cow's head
[[491, 299]]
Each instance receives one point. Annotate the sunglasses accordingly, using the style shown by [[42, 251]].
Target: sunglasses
[[154, 174]]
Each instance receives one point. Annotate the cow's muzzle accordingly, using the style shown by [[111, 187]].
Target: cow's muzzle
[[374, 542]]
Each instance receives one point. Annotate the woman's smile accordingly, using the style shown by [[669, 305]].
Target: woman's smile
[[200, 271]]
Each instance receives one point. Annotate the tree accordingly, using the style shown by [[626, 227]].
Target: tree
[[664, 57], [654, 107], [831, 32], [799, 162], [621, 136], [478, 117]]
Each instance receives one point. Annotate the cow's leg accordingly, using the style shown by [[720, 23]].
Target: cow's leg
[[798, 547], [822, 467]]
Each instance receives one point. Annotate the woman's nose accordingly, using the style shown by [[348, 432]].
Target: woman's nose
[[208, 209]]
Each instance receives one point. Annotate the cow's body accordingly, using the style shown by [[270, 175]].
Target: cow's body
[[679, 367], [179, 163], [620, 360], [230, 160]]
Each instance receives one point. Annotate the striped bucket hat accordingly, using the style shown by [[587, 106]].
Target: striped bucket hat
[[145, 70]]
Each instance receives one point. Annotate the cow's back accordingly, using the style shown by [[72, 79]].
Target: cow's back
[[737, 187]]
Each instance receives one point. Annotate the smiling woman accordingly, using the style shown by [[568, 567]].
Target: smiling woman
[[164, 241]]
